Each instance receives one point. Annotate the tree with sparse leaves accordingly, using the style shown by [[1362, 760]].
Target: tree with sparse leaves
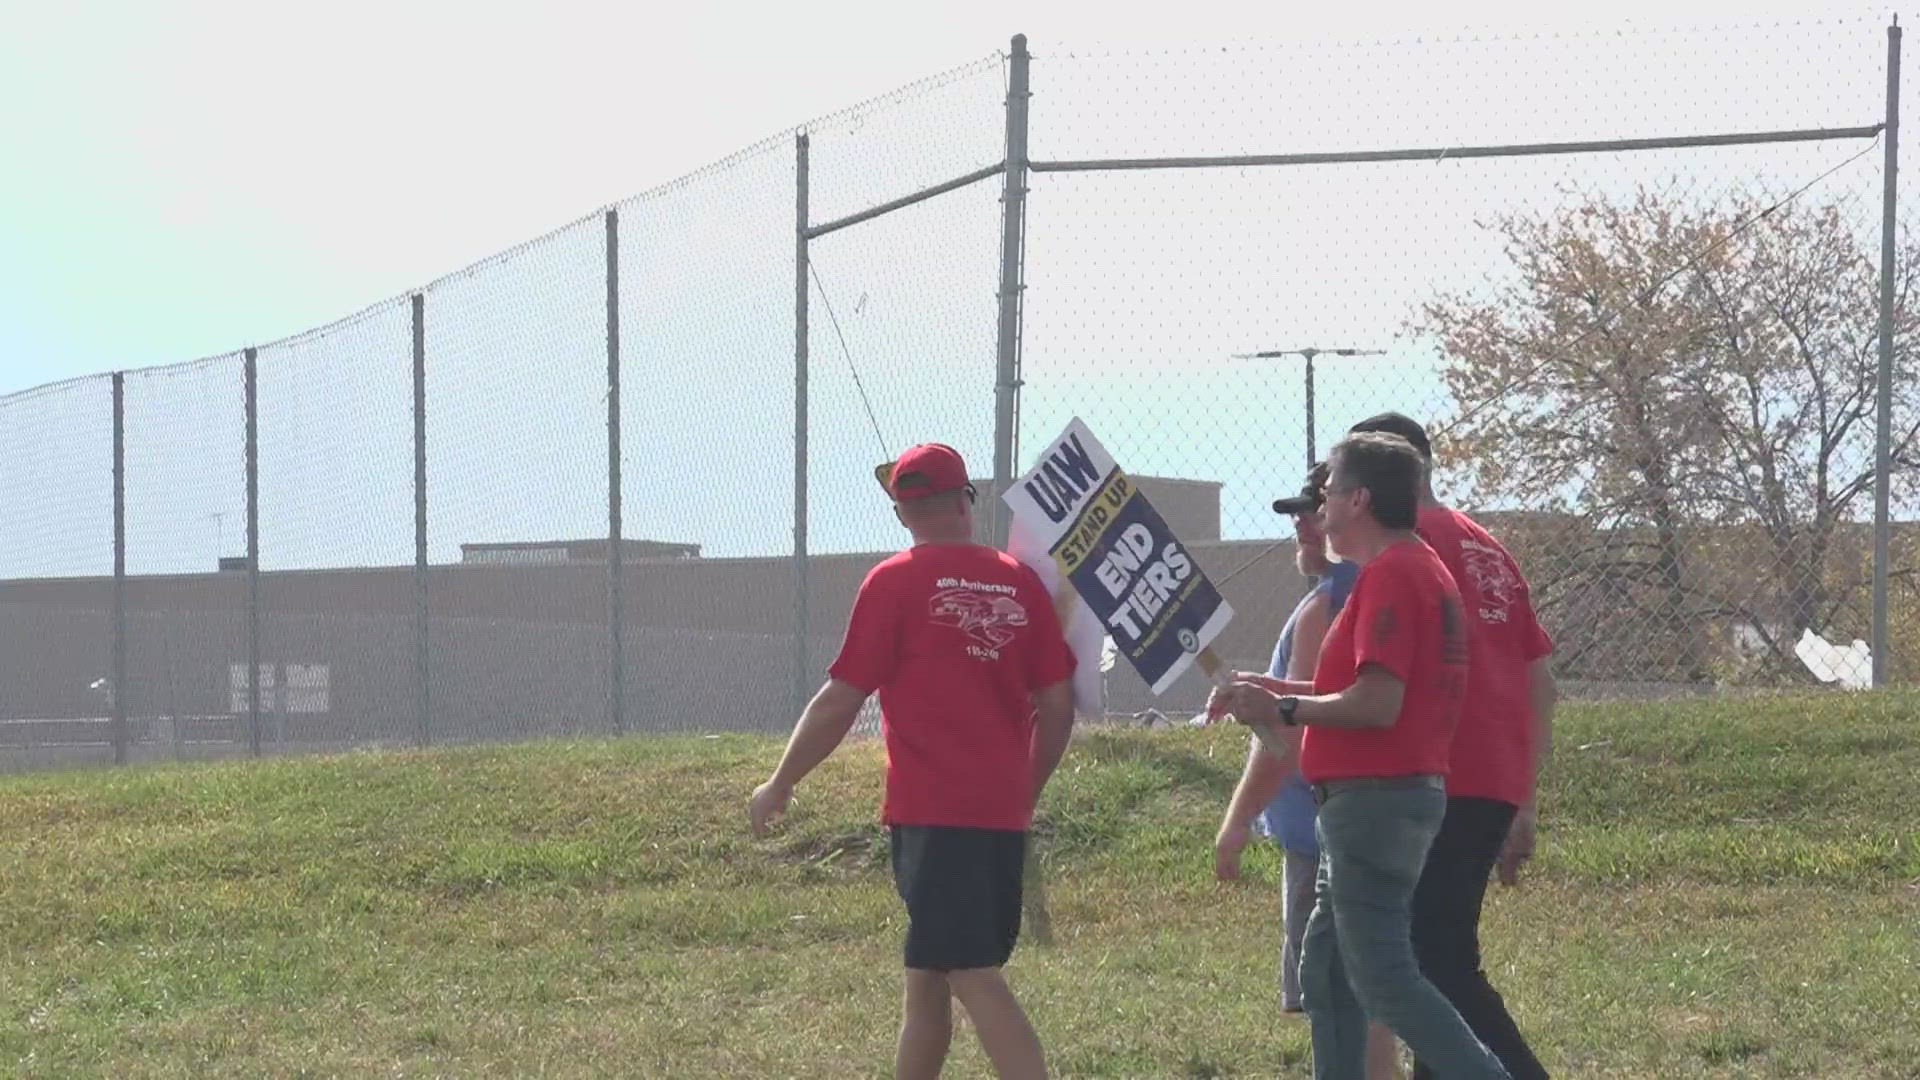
[[1695, 386]]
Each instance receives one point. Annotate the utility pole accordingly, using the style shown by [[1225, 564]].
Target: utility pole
[[1309, 354]]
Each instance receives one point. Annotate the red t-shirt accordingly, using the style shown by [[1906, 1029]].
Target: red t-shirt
[[955, 637], [1404, 615], [1493, 746]]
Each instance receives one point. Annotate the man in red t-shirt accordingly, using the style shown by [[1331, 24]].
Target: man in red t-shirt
[[1504, 735], [964, 647], [1378, 722]]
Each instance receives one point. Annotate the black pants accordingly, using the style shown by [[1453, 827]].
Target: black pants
[[1446, 928], [962, 889]]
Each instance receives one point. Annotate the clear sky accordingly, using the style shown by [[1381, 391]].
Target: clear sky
[[181, 179], [186, 179]]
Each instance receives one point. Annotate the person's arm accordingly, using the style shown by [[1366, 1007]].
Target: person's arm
[[1278, 686], [826, 721], [1052, 730], [1218, 699], [1543, 693], [1050, 667], [1265, 772], [1373, 701], [1384, 651], [866, 662], [1260, 781], [1309, 631]]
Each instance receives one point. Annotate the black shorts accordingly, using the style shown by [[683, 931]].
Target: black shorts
[[962, 891]]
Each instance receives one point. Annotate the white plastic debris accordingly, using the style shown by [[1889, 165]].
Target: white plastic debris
[[1851, 667]]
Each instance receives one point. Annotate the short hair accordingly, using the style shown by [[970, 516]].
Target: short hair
[[1390, 469], [1393, 423], [935, 503]]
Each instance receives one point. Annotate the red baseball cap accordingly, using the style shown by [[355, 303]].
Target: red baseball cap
[[923, 470]]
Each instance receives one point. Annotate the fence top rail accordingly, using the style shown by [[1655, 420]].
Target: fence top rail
[[1444, 34], [1442, 153]]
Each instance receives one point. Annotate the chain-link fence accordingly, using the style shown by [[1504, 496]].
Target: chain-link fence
[[1635, 283]]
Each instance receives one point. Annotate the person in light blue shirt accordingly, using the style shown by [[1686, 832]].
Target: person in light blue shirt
[[1274, 799], [1288, 819]]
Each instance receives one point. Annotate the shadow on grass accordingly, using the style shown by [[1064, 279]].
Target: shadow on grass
[[861, 849]]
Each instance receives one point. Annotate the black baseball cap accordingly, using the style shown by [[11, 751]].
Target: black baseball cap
[[1393, 423], [1312, 495]]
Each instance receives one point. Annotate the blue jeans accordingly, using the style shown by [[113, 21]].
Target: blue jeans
[[1357, 960]]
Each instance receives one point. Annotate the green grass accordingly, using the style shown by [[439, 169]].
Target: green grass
[[1725, 889]]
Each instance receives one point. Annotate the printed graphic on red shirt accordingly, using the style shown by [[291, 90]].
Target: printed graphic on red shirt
[[988, 614], [1491, 580]]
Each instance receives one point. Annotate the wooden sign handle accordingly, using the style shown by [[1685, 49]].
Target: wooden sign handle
[[1217, 673]]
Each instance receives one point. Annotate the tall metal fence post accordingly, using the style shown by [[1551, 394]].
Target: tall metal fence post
[[800, 267], [117, 687], [1883, 428], [616, 618], [252, 377], [1013, 213], [1312, 435], [422, 627]]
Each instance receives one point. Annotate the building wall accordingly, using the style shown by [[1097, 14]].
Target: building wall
[[514, 650]]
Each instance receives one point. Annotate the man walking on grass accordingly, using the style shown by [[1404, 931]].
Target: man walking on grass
[[1271, 791], [964, 647], [1378, 722], [1506, 725]]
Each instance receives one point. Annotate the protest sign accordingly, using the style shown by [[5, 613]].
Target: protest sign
[[1101, 535]]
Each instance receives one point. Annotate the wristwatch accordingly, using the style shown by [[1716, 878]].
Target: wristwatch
[[1287, 706]]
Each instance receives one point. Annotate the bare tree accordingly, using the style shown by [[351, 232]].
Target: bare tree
[[1697, 386]]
